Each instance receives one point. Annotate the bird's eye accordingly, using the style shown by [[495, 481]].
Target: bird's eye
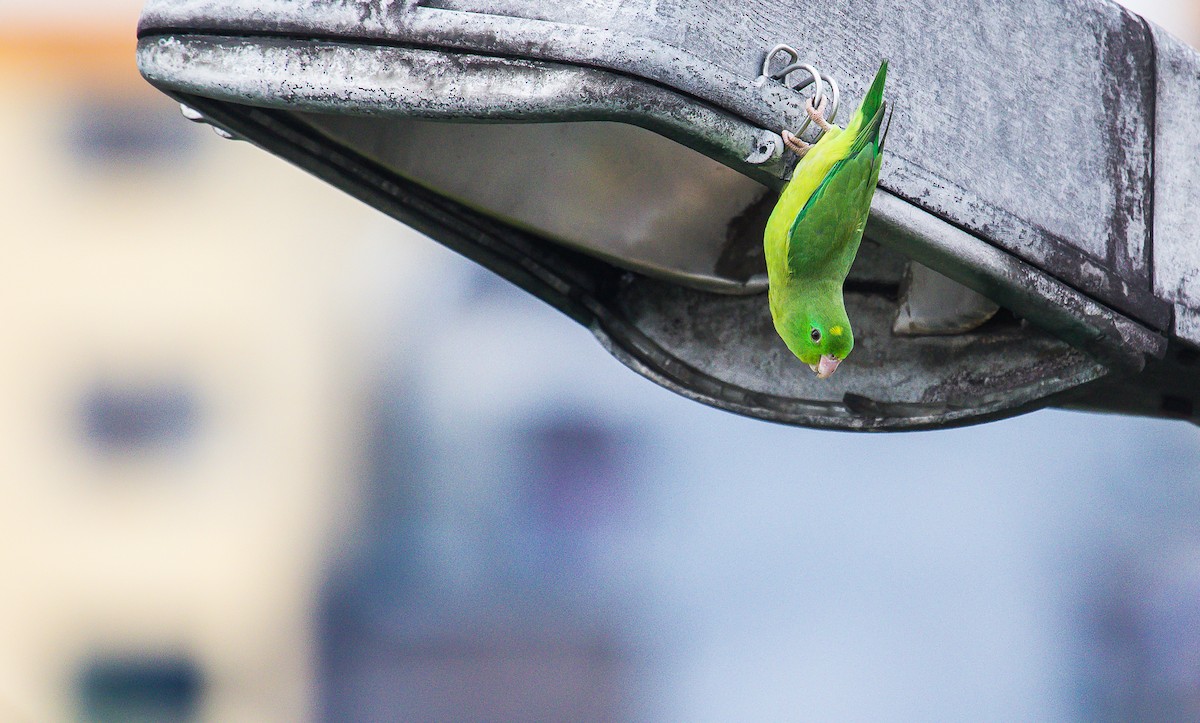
[[816, 336]]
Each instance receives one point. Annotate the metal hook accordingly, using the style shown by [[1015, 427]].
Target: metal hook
[[835, 103], [781, 48], [814, 77]]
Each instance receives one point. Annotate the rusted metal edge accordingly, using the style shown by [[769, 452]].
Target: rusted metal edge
[[502, 36], [1176, 260], [380, 81]]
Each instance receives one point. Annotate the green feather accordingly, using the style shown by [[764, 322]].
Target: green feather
[[841, 202]]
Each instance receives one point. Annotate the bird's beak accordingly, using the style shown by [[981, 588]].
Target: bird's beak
[[827, 366]]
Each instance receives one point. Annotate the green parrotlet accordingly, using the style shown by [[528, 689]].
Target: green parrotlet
[[815, 230]]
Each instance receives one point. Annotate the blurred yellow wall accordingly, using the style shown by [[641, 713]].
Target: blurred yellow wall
[[209, 265]]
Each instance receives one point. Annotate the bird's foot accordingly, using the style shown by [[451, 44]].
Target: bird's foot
[[817, 113], [793, 142]]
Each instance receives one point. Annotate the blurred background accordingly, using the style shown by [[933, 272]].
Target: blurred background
[[267, 455]]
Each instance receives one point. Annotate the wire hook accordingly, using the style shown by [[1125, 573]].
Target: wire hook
[[814, 78]]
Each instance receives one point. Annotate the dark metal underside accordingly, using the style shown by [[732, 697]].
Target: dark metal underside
[[715, 348]]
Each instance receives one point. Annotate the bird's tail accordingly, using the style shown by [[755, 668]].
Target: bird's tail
[[867, 120], [874, 97], [863, 118]]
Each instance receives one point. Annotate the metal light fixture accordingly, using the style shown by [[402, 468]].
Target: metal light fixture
[[620, 162]]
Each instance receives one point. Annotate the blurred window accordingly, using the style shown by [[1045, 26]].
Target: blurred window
[[117, 419], [140, 689], [110, 130], [578, 470]]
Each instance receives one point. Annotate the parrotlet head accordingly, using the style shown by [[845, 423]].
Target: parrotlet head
[[818, 332]]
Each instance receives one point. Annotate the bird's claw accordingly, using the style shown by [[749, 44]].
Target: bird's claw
[[817, 113], [793, 142]]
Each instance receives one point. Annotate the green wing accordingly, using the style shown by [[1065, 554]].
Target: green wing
[[824, 238]]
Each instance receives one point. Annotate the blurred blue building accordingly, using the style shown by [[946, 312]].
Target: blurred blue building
[[553, 538]]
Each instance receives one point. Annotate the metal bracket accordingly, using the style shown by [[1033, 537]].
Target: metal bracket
[[814, 78]]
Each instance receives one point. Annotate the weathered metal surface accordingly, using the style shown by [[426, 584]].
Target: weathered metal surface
[[266, 76], [1062, 97], [416, 83], [1177, 183], [1186, 324], [1167, 387], [1011, 283], [681, 338]]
